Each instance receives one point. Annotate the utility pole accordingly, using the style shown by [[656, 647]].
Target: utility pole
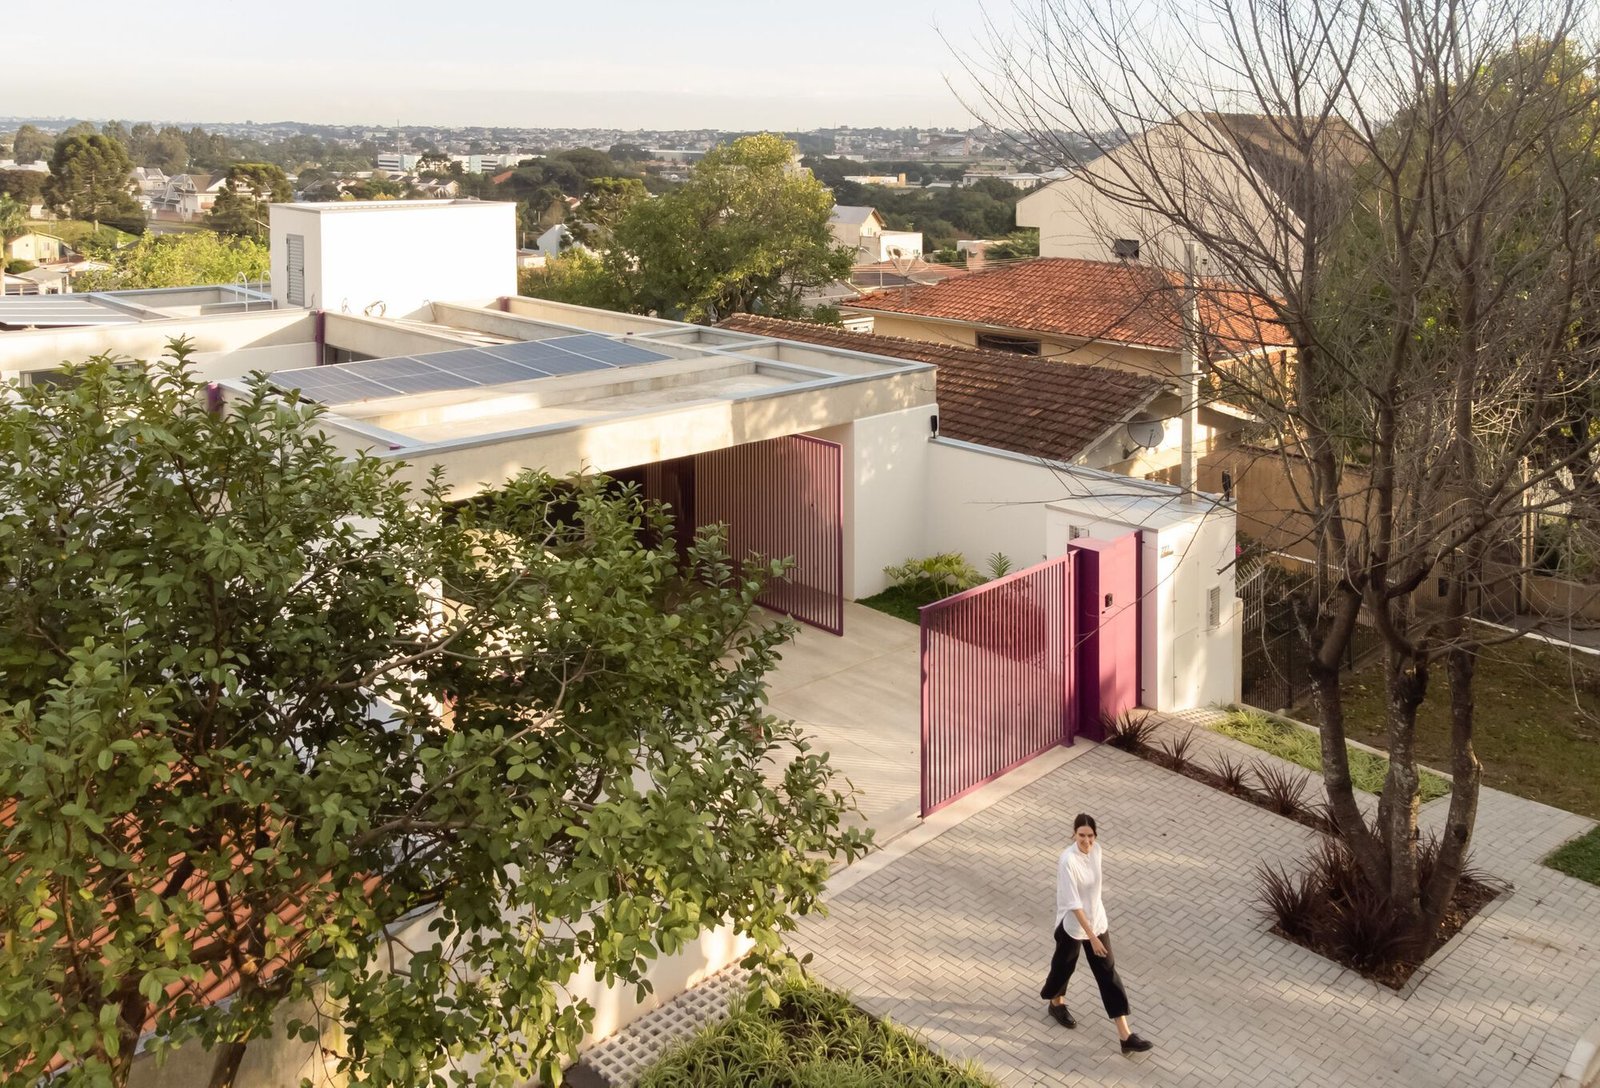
[[1189, 388]]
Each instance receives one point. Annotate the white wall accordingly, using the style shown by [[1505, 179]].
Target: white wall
[[396, 256], [214, 335], [220, 365], [980, 501], [885, 462], [903, 244]]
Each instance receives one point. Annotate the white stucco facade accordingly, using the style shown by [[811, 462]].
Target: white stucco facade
[[391, 258]]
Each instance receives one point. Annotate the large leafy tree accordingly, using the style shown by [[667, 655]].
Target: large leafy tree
[[89, 179], [30, 144], [13, 217], [179, 260], [240, 209], [748, 232], [258, 702]]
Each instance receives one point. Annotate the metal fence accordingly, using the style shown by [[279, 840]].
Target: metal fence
[[997, 678]]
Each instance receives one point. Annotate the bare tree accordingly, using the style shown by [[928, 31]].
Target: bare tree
[[1409, 190]]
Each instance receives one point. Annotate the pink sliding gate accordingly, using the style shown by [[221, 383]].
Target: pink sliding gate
[[782, 499], [1027, 662]]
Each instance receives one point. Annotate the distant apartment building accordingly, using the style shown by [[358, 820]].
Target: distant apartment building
[[397, 162]]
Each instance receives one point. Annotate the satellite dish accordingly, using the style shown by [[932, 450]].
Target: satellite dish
[[1146, 433]]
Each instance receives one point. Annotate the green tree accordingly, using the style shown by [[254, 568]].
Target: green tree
[[241, 206], [13, 218], [238, 668], [179, 260], [30, 144], [89, 180], [746, 233], [575, 276], [602, 207]]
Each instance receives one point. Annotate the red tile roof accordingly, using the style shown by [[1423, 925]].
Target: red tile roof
[[995, 398], [1118, 301]]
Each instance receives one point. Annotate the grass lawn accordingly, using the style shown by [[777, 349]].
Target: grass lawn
[[1579, 858], [76, 233], [1538, 721], [1301, 747], [900, 601], [815, 1038]]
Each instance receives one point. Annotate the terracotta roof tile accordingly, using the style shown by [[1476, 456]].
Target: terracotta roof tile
[[994, 398], [1117, 301]]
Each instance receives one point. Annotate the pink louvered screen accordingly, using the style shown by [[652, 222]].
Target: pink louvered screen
[[997, 679], [782, 499]]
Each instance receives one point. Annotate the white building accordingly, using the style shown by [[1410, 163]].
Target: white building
[[397, 162], [863, 229], [1231, 170], [401, 319]]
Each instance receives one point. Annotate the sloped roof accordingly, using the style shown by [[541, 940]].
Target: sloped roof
[[1263, 147], [1011, 402], [1117, 301], [854, 215]]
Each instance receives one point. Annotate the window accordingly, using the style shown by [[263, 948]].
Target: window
[[296, 246], [1012, 344], [1213, 608], [1125, 249]]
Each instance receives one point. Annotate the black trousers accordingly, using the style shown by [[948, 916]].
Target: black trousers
[[1112, 995]]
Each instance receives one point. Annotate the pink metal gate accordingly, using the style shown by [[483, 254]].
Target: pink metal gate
[[996, 679], [1019, 665], [782, 499]]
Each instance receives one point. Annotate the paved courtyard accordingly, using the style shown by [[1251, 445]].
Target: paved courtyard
[[952, 939], [858, 697]]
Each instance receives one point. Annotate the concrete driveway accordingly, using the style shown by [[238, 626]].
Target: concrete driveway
[[859, 698]]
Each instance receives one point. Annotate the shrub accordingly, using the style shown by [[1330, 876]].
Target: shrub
[[1178, 748], [1289, 900], [937, 575], [999, 565], [1230, 773], [1283, 790], [1129, 731], [1359, 924]]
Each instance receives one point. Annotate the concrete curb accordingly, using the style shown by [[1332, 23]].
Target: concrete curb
[[1583, 1068]]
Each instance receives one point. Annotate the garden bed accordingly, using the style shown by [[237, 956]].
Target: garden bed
[[1303, 747], [1321, 905], [812, 1037]]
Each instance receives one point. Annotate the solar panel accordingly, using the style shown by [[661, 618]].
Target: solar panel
[[446, 360], [332, 388], [623, 354], [607, 350], [488, 370], [573, 364], [532, 353], [435, 381], [384, 369]]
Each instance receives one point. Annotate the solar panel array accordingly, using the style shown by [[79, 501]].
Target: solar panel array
[[463, 368]]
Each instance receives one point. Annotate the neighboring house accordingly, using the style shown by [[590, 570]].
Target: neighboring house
[[899, 272], [862, 229], [1239, 160], [556, 241], [1106, 313], [188, 196], [1092, 416], [56, 279], [1024, 181], [39, 248]]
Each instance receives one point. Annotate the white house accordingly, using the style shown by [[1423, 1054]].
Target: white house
[[863, 229], [401, 320], [187, 196], [1237, 161]]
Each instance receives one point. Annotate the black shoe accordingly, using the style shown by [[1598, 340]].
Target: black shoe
[[1133, 1044], [1060, 1015]]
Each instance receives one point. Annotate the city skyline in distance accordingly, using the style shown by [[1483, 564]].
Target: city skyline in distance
[[709, 64]]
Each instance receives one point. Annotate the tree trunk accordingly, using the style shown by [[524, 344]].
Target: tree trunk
[[1342, 809], [1468, 773], [225, 1064], [1407, 681]]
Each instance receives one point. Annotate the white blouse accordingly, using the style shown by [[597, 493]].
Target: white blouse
[[1078, 887]]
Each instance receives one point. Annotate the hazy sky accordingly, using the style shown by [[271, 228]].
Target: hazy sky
[[613, 63]]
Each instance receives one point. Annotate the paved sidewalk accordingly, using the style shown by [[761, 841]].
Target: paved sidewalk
[[953, 940]]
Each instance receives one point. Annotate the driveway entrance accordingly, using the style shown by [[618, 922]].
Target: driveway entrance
[[857, 697]]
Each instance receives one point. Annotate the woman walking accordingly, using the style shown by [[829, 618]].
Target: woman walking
[[1081, 923]]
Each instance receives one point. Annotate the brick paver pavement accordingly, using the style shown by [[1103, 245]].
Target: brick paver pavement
[[953, 940]]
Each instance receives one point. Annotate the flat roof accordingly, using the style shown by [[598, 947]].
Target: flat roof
[[60, 311], [326, 207]]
